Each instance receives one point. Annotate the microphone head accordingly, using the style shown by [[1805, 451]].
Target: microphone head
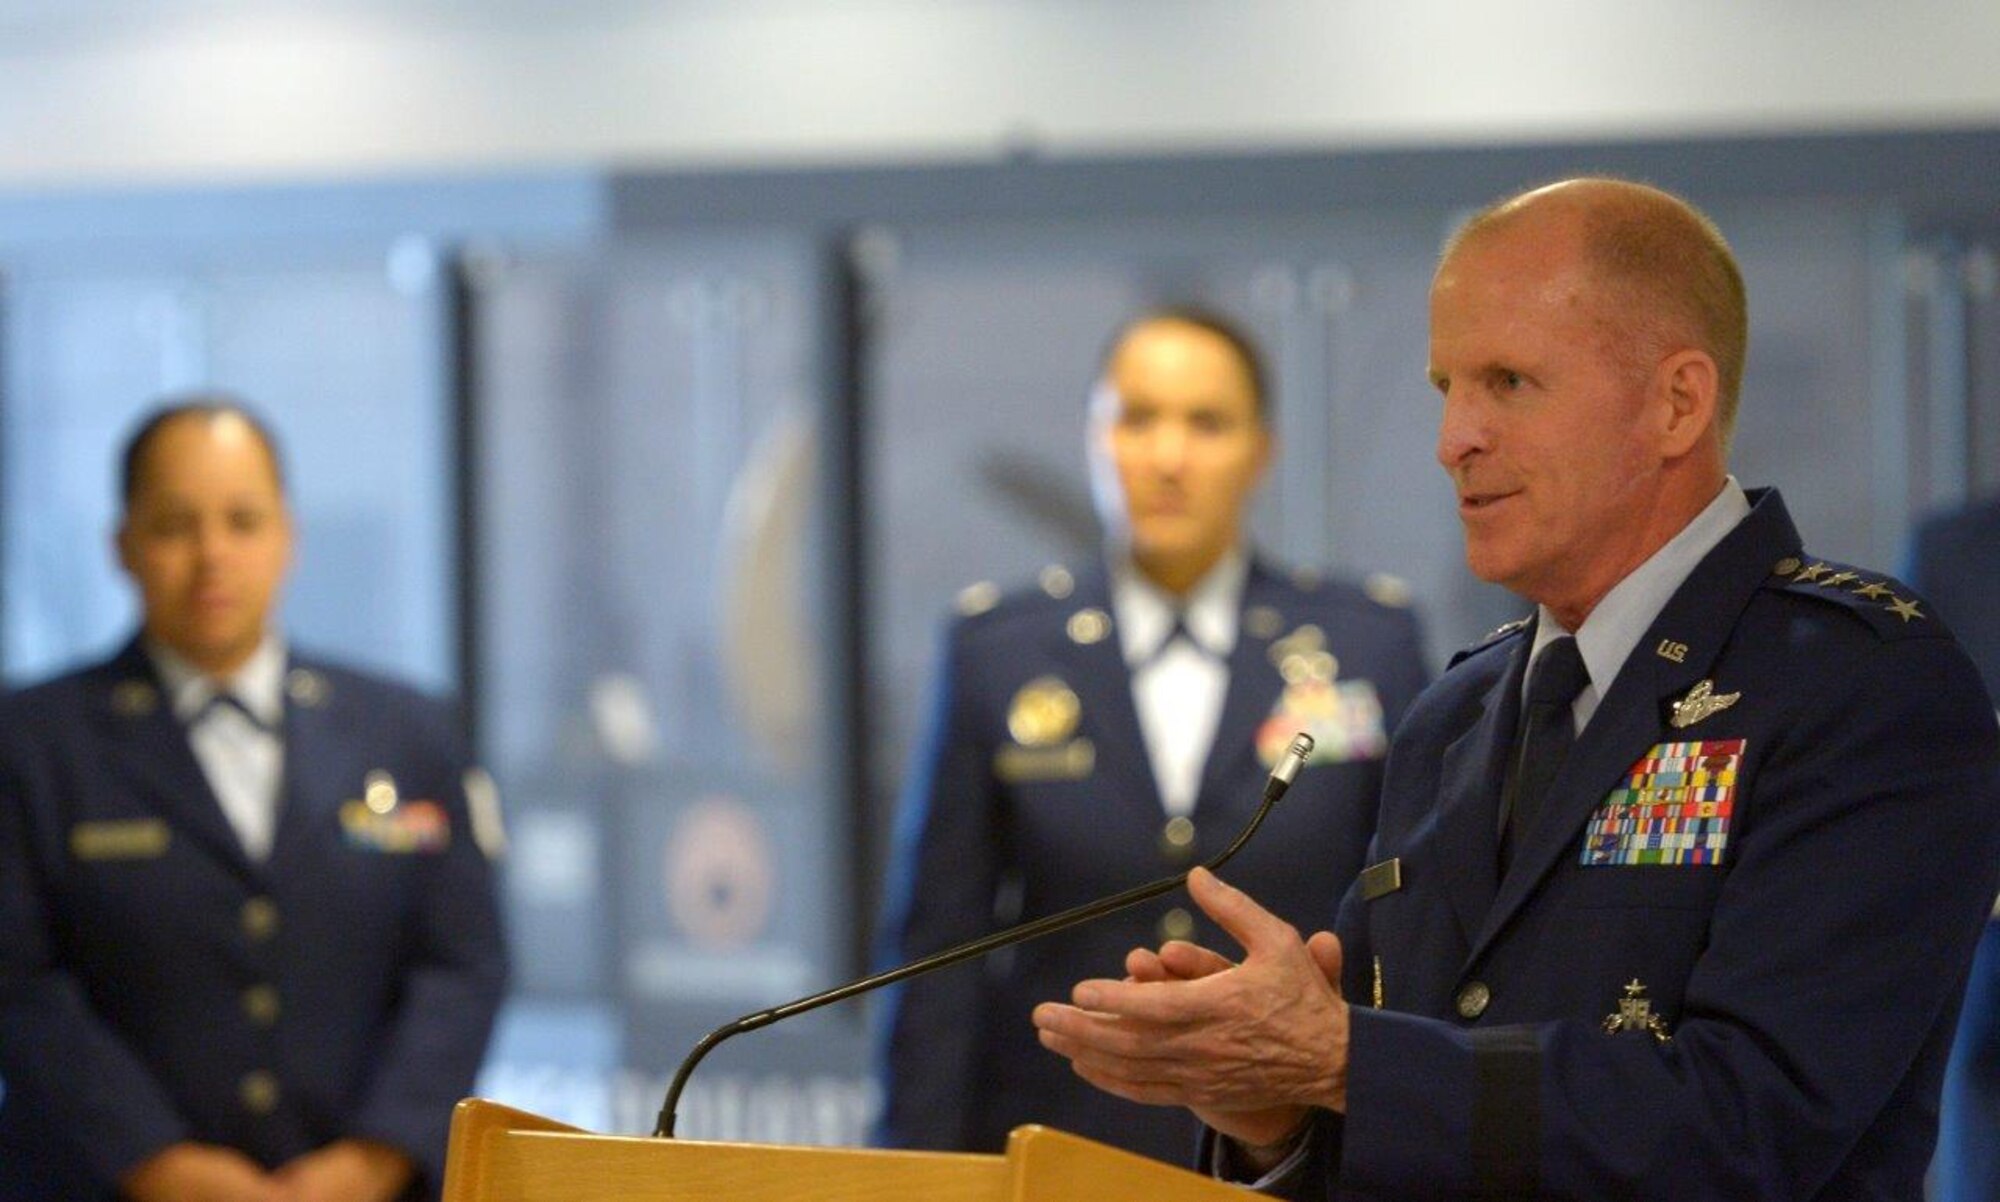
[[1294, 758]]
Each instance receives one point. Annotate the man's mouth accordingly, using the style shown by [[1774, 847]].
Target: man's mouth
[[1478, 502]]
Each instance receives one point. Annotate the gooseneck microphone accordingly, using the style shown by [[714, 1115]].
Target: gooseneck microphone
[[1274, 787]]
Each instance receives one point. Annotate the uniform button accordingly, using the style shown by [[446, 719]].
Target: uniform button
[[1177, 840], [1473, 998], [260, 919], [260, 1003], [258, 1091], [1176, 924], [1786, 566]]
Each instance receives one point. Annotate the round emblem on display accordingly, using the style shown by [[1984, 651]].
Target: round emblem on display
[[720, 878]]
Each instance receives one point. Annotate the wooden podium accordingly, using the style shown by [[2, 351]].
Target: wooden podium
[[499, 1154]]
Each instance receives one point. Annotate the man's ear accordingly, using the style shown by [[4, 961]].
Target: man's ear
[[121, 543], [1686, 384]]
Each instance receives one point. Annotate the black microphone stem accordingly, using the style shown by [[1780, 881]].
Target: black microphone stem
[[1274, 788]]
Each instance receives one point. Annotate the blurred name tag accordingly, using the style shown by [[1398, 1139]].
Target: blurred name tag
[[120, 839], [1073, 760]]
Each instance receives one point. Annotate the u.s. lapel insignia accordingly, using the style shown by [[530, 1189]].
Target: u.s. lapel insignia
[[1701, 701], [1087, 626], [134, 698], [1635, 1013], [306, 687]]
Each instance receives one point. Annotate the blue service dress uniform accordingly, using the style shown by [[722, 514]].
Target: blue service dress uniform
[[158, 985], [1033, 793], [1728, 956], [1955, 561]]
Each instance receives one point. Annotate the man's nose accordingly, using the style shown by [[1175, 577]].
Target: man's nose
[[1169, 447], [1461, 433]]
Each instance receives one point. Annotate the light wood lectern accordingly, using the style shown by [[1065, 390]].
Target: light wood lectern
[[499, 1154]]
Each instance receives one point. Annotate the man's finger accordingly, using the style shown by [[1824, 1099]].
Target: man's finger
[[1191, 961], [1239, 914], [1143, 964], [1325, 949]]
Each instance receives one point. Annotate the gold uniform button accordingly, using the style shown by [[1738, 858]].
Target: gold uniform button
[[1786, 566], [1473, 998], [1176, 924], [258, 1091], [260, 1004], [1177, 839], [260, 919]]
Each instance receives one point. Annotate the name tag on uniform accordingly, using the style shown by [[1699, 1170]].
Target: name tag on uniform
[[1073, 760], [120, 839], [1378, 880]]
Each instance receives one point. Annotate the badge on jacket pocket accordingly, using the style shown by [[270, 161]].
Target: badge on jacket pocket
[[411, 828], [1344, 717], [1673, 807]]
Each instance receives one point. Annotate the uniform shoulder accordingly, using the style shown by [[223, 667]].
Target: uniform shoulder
[[1375, 592], [1498, 637], [1880, 602], [43, 696], [986, 601], [984, 610], [312, 681]]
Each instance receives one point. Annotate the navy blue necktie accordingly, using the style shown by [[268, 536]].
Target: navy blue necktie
[[1547, 731]]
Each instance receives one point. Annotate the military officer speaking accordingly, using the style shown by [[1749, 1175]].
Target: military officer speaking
[[1108, 727], [1675, 883], [249, 947]]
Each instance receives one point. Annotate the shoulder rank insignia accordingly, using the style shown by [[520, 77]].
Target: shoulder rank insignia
[[1635, 1013], [1701, 701]]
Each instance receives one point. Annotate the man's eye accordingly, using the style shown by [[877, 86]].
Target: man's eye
[[1509, 381]]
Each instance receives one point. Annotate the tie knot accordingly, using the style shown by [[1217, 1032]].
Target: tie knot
[[1177, 633], [1558, 674], [226, 701]]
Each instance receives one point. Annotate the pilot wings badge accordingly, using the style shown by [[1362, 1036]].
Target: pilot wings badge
[[1701, 701]]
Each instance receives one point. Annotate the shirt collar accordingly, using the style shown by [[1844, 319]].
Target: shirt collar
[[1621, 619], [1145, 611], [259, 684]]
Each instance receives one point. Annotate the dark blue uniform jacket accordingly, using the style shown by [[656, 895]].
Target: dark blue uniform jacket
[[156, 985], [1013, 812], [1764, 1012]]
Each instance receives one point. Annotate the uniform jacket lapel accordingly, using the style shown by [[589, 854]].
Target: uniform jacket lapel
[[1252, 691], [1473, 771], [1104, 687], [1633, 715], [321, 770], [149, 748]]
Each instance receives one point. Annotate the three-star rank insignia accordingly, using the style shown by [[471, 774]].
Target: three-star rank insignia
[[1635, 1014], [1701, 701]]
